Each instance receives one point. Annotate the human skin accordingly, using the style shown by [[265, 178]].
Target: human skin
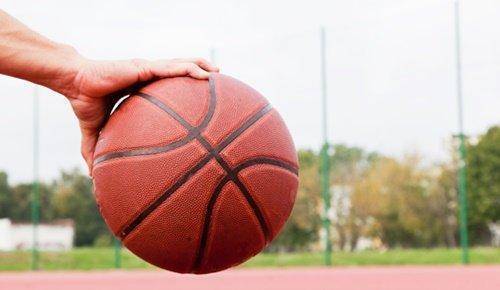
[[92, 87]]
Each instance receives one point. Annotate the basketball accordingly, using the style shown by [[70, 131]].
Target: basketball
[[195, 176]]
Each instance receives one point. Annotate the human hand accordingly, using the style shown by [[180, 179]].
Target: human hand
[[98, 85]]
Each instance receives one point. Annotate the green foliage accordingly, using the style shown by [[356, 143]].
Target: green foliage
[[5, 195], [346, 161], [443, 206], [406, 204], [483, 180], [393, 195], [15, 201], [103, 240], [21, 196], [74, 199], [348, 164]]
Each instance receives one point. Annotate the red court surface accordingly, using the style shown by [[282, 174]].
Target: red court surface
[[366, 278]]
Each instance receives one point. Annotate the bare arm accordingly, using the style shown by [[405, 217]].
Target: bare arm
[[89, 85], [27, 55]]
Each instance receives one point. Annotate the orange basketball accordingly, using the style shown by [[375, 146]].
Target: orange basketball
[[195, 176]]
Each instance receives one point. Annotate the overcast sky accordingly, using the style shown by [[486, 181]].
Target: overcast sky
[[391, 67]]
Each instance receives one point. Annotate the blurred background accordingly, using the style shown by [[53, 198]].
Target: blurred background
[[395, 115]]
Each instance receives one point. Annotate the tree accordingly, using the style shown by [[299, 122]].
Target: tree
[[348, 166], [74, 199], [443, 205], [391, 202], [483, 180], [21, 198], [15, 201], [5, 195]]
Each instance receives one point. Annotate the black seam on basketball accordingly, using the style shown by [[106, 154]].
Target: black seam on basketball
[[211, 106], [206, 224], [192, 131], [213, 198], [241, 129], [137, 220], [147, 150], [166, 109], [269, 161], [232, 175]]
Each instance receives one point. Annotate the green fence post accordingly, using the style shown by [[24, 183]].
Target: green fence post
[[325, 159], [462, 192], [325, 189], [118, 253], [462, 183], [35, 195]]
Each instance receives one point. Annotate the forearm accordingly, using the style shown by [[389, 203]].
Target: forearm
[[27, 55]]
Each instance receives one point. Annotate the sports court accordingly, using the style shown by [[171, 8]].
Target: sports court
[[380, 278]]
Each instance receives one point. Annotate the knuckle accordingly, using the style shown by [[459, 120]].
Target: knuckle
[[143, 68], [192, 66]]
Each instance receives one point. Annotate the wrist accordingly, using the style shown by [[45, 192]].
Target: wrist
[[66, 62]]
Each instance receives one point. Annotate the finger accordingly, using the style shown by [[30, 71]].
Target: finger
[[195, 71], [201, 62], [179, 69], [89, 140]]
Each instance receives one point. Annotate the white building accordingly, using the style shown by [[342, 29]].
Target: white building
[[57, 236], [495, 234]]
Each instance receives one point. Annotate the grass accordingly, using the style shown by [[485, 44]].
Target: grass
[[76, 259], [392, 257], [103, 258]]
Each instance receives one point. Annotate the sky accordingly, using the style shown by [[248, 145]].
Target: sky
[[390, 67]]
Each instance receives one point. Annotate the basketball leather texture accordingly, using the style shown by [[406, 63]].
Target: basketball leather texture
[[195, 176]]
